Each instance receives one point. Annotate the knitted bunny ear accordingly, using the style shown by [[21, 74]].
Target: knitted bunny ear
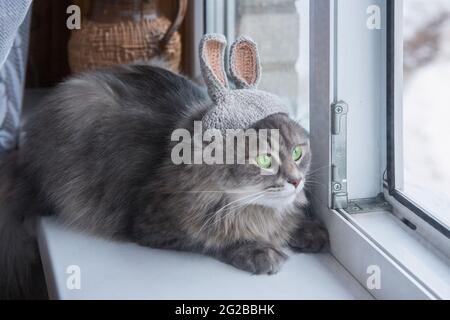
[[244, 63], [212, 58]]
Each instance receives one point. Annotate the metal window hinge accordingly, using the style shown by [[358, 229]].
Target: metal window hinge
[[339, 195]]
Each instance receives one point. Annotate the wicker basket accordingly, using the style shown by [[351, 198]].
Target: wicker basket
[[125, 31]]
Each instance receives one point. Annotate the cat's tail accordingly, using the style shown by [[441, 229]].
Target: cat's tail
[[21, 275]]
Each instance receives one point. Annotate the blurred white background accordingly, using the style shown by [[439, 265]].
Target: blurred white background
[[426, 105]]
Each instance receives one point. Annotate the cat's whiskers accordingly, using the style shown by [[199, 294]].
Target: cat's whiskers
[[309, 182], [235, 209], [310, 173], [214, 215], [240, 199], [208, 191], [309, 187]]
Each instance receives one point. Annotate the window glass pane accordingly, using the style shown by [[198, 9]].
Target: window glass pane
[[426, 105], [281, 30]]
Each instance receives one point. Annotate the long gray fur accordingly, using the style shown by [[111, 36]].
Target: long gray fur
[[97, 154]]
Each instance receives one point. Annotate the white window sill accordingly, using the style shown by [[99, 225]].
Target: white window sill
[[414, 255], [113, 270]]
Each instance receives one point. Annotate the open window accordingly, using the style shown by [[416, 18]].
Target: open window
[[418, 66], [384, 208]]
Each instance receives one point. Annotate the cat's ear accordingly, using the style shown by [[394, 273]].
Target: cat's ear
[[245, 68], [212, 59]]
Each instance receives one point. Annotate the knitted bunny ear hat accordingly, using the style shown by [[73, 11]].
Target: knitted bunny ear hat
[[245, 105]]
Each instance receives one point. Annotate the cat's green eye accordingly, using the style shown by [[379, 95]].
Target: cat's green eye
[[297, 153], [264, 161]]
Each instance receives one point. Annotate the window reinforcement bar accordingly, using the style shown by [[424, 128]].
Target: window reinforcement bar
[[339, 195], [378, 203]]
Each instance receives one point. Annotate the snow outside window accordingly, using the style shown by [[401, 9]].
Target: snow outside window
[[426, 106]]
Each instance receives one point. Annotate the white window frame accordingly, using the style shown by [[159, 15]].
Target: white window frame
[[220, 17], [208, 16], [348, 62]]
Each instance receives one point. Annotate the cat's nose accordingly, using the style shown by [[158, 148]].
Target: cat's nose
[[294, 182]]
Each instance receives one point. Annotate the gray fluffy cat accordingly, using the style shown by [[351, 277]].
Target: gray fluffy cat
[[97, 154]]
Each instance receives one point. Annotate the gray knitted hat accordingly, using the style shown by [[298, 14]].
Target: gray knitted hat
[[242, 107]]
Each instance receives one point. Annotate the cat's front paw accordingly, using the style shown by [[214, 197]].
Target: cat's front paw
[[310, 236], [257, 258]]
